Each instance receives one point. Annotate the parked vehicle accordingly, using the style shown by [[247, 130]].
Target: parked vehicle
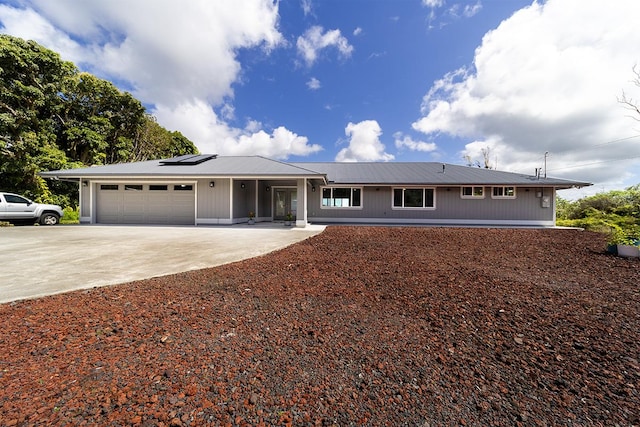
[[14, 208]]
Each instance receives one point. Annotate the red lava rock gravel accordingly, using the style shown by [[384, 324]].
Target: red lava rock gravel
[[355, 326]]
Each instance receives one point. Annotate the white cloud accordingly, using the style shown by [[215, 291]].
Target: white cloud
[[28, 24], [314, 84], [472, 9], [179, 56], [357, 31], [468, 10], [165, 49], [433, 3], [441, 18], [228, 112], [376, 55], [547, 80], [475, 152], [307, 7], [405, 141], [364, 143], [314, 40], [199, 122]]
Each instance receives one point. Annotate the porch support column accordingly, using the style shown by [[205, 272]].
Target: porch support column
[[256, 201], [301, 210], [231, 182]]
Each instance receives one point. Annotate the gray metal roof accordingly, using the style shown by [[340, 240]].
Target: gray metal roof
[[214, 167], [391, 173], [401, 173]]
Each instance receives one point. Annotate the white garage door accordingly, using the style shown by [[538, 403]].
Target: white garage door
[[145, 203]]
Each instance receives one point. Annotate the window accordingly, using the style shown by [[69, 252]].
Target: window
[[504, 193], [158, 187], [416, 198], [182, 187], [472, 193], [133, 187], [12, 198], [109, 187], [341, 197]]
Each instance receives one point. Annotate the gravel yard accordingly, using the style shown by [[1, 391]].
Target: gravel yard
[[386, 326]]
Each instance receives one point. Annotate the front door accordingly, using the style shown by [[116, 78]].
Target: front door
[[286, 201]]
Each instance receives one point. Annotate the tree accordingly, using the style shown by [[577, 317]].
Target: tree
[[628, 102], [486, 159], [54, 117], [153, 140], [30, 79]]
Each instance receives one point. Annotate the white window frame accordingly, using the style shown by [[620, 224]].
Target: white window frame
[[503, 191], [350, 198], [424, 198], [473, 194]]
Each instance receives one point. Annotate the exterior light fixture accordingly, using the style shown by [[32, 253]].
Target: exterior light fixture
[[242, 185], [268, 189], [313, 188], [85, 183], [212, 184]]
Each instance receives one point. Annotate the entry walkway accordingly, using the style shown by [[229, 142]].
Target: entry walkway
[[39, 261]]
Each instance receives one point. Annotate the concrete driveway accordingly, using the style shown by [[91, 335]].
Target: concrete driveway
[[39, 261]]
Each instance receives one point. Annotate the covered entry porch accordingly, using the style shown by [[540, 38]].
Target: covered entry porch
[[271, 200]]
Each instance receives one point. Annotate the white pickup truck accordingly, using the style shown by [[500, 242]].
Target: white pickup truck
[[18, 208]]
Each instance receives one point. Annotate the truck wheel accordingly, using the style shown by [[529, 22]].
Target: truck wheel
[[49, 219]]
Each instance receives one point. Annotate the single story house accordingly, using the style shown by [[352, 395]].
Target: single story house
[[210, 189]]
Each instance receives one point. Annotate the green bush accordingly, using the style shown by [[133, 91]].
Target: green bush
[[625, 236], [588, 224], [71, 216], [615, 212], [622, 203], [600, 222]]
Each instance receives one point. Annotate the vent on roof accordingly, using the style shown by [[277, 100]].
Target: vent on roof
[[188, 159]]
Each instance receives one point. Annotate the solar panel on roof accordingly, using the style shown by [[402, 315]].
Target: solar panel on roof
[[188, 159]]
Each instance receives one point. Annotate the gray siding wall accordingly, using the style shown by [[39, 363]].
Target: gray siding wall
[[377, 204], [243, 198], [253, 197], [85, 200], [213, 203], [264, 200]]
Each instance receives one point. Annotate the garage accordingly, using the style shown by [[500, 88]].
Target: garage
[[148, 203]]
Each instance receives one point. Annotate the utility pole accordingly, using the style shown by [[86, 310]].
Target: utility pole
[[546, 153]]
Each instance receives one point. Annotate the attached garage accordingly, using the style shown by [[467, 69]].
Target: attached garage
[[148, 203]]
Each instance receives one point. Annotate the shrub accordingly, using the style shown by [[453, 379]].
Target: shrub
[[71, 216], [625, 236], [600, 222]]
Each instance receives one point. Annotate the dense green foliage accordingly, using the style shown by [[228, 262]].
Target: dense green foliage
[[54, 117], [604, 212], [71, 216]]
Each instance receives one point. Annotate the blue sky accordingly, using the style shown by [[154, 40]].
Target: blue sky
[[371, 80]]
